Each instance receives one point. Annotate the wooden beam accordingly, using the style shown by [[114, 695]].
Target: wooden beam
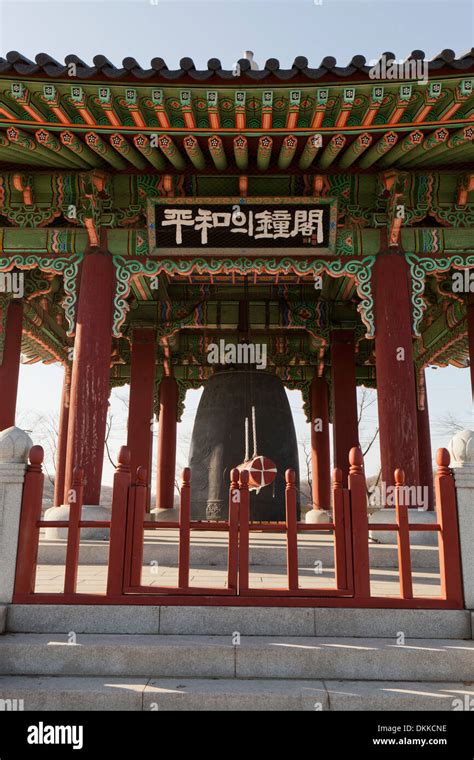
[[158, 105], [460, 139], [264, 153], [195, 154], [24, 141], [52, 100], [13, 154], [72, 142], [127, 151], [376, 100], [310, 150], [106, 103], [406, 145], [240, 113], [432, 140], [186, 101], [241, 152], [381, 147], [216, 149], [50, 141], [131, 103], [171, 152], [355, 150], [287, 151], [213, 109], [402, 103], [293, 109], [153, 155], [97, 144], [332, 149], [322, 96], [347, 98], [267, 109]]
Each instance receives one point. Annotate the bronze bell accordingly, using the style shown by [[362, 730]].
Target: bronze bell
[[218, 442]]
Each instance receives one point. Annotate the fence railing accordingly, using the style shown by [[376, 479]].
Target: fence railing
[[349, 533]]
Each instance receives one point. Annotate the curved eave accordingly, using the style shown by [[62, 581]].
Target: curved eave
[[15, 63]]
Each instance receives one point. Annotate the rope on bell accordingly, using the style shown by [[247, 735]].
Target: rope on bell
[[254, 431], [246, 459]]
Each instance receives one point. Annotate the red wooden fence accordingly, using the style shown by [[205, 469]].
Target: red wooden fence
[[349, 529]]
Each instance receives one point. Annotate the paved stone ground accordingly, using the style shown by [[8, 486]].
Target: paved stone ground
[[93, 578]]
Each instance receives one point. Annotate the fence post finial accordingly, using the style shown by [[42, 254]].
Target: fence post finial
[[124, 458], [337, 477], [360, 523], [141, 476], [399, 476], [443, 460], [356, 461], [36, 458]]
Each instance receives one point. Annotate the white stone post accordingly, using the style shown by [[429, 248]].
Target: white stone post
[[461, 449], [15, 446]]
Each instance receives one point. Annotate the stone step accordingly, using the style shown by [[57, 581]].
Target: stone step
[[255, 657], [248, 621], [3, 617], [213, 553], [38, 693]]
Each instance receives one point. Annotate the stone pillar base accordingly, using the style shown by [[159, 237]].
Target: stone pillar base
[[461, 449], [15, 445], [89, 512], [417, 538], [315, 516], [165, 515]]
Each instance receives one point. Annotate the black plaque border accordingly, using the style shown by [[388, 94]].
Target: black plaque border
[[252, 252]]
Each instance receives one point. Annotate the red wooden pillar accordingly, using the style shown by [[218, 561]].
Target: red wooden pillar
[[425, 457], [61, 452], [166, 464], [396, 394], [470, 333], [320, 453], [10, 366], [142, 392], [91, 373], [344, 396]]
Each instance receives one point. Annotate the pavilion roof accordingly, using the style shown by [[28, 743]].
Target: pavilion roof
[[299, 130], [185, 120], [15, 63]]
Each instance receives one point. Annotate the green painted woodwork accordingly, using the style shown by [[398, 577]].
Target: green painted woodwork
[[135, 136]]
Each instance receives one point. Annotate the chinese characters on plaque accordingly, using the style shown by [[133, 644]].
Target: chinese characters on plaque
[[194, 225], [261, 225]]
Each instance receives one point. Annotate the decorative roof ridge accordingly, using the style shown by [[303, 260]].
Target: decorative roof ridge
[[16, 63]]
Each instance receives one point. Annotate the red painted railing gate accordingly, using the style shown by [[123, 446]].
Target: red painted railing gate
[[350, 584], [136, 524], [238, 528]]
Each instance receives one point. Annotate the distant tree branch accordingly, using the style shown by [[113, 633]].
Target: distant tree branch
[[448, 424]]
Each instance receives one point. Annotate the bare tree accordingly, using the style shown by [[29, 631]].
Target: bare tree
[[45, 429], [366, 399], [309, 472], [448, 424], [108, 428]]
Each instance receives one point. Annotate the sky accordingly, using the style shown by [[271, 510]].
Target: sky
[[282, 29]]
